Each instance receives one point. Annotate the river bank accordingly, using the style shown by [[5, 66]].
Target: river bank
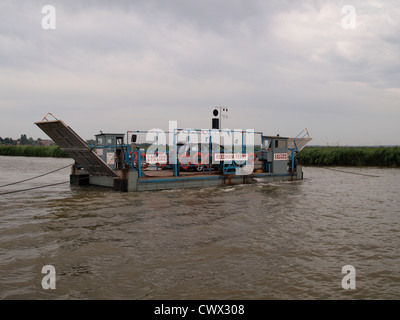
[[33, 151], [350, 156]]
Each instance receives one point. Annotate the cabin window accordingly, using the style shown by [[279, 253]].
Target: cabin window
[[267, 144], [279, 144], [282, 144]]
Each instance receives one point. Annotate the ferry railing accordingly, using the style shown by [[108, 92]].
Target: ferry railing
[[48, 114], [136, 156], [226, 166], [298, 142]]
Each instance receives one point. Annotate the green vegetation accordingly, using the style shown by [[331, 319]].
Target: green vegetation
[[350, 156], [32, 151], [320, 156]]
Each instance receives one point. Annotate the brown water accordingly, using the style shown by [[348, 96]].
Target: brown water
[[265, 241]]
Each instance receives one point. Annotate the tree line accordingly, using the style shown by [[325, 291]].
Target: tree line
[[25, 141]]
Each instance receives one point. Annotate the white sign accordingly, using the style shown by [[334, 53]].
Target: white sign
[[161, 158], [99, 152], [110, 158], [280, 156], [231, 157]]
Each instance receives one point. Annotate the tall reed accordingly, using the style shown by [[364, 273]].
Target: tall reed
[[350, 156]]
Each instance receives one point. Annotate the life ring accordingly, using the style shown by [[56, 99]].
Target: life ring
[[252, 158], [198, 166], [195, 159], [184, 166], [131, 158], [205, 160], [135, 159], [143, 162]]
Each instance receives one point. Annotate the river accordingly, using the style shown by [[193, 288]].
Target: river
[[286, 240]]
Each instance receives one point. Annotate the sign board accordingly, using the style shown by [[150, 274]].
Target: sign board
[[280, 156], [231, 157], [110, 158], [161, 158]]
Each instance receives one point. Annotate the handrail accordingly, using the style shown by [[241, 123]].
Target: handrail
[[297, 143], [45, 117]]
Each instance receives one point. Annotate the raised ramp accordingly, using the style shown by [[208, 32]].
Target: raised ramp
[[299, 142], [76, 147]]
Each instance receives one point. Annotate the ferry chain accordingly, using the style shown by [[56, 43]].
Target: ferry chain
[[32, 188]]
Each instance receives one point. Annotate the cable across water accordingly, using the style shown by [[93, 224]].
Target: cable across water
[[44, 174]]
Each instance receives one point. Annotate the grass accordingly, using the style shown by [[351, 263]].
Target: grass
[[32, 151], [350, 156]]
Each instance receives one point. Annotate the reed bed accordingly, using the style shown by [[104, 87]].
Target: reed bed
[[350, 156]]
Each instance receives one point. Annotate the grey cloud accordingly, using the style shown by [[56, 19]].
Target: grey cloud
[[281, 65]]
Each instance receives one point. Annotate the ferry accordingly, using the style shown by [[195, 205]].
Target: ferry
[[150, 160]]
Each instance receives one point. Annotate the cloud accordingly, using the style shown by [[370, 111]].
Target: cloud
[[279, 66]]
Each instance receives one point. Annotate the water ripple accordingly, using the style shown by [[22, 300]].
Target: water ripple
[[263, 241]]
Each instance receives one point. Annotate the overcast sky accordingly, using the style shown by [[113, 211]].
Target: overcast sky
[[278, 66]]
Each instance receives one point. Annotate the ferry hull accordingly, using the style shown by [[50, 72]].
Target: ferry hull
[[130, 182]]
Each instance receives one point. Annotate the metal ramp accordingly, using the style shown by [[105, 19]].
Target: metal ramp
[[76, 147], [299, 142]]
